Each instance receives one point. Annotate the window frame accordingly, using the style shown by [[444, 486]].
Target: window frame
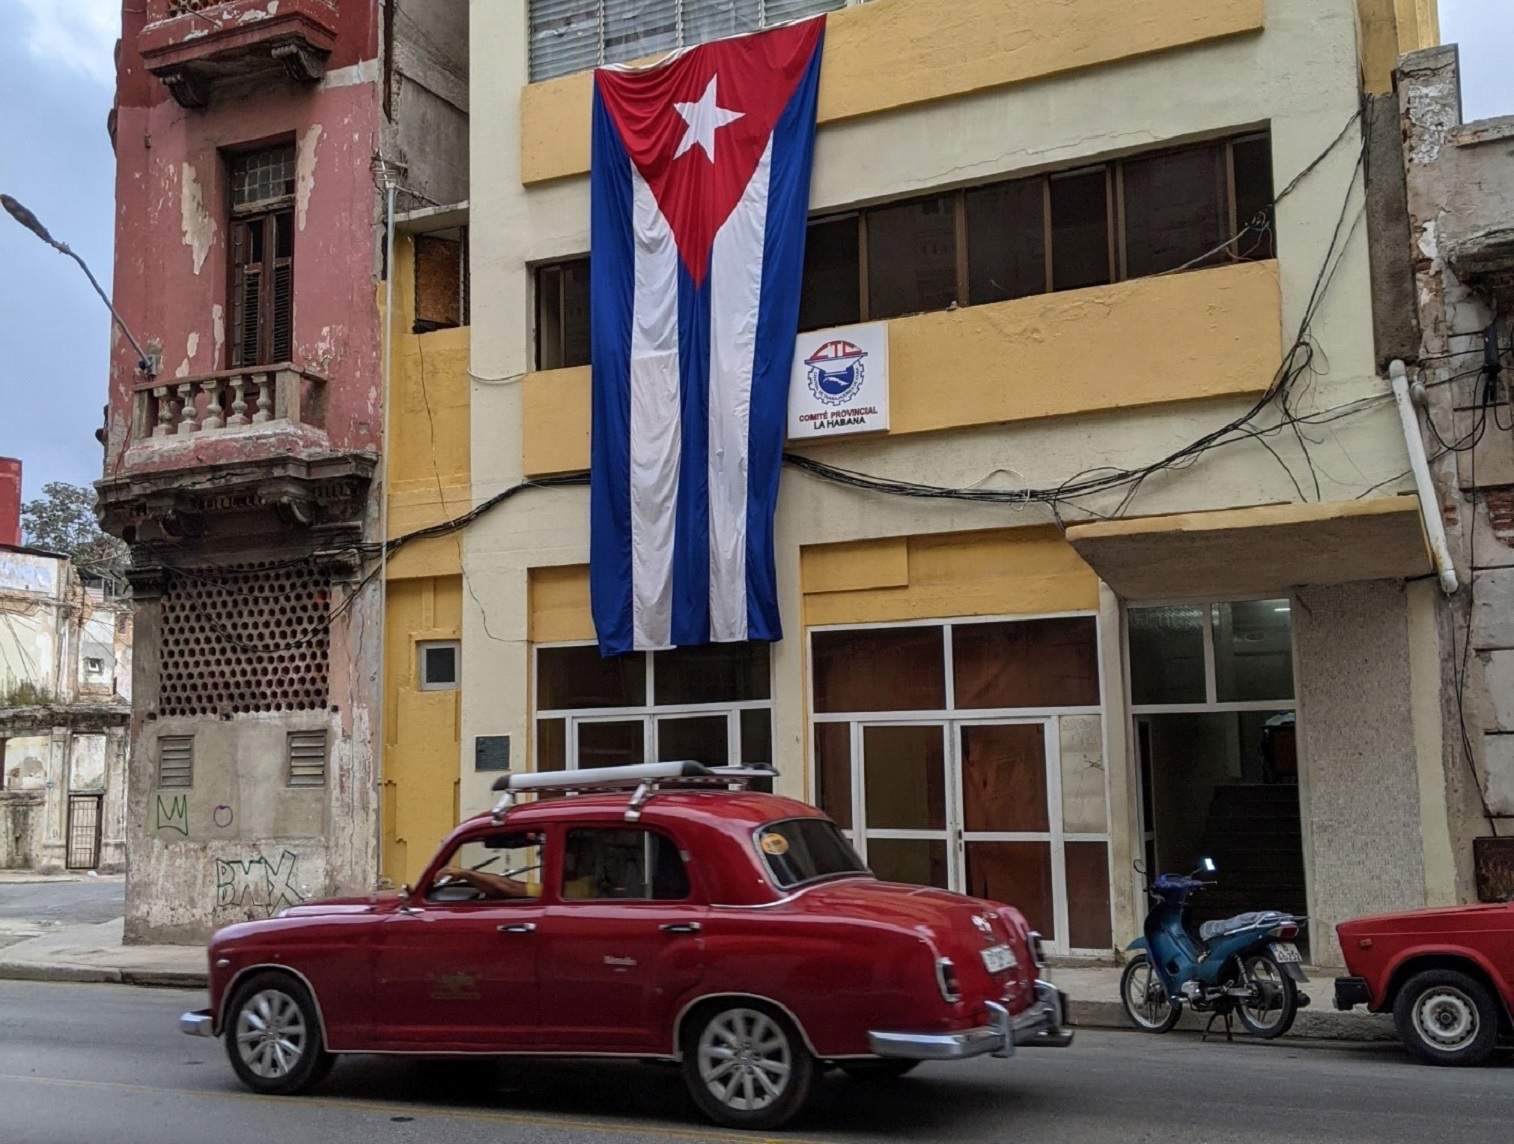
[[423, 682], [420, 895], [570, 829], [241, 220], [647, 713]]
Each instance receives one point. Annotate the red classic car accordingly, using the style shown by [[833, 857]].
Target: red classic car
[[734, 932], [1446, 975]]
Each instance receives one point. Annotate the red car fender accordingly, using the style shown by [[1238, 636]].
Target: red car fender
[[1502, 988]]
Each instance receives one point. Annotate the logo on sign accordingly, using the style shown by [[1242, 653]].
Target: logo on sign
[[836, 372]]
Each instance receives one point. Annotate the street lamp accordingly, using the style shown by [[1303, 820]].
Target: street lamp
[[32, 223]]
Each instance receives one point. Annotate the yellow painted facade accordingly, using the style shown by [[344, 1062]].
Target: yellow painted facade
[[1388, 29], [891, 54], [428, 473], [1050, 355], [1008, 571]]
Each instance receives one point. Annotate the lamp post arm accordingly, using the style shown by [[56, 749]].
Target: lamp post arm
[[144, 363]]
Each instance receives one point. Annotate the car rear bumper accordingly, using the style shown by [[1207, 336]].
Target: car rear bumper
[[1041, 1024], [1351, 992], [200, 1023]]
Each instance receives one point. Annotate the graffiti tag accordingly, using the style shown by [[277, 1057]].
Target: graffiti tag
[[174, 815], [221, 815], [257, 883]]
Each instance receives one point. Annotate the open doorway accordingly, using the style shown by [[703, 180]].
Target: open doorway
[[1216, 746]]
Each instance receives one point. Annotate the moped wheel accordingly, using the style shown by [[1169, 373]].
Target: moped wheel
[[1145, 997], [1270, 1010]]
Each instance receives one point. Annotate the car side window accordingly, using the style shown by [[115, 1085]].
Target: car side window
[[624, 865], [497, 869]]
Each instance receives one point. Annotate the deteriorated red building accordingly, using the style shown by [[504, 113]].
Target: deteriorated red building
[[255, 140]]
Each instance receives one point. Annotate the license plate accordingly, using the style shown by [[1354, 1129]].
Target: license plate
[[998, 958], [1285, 951]]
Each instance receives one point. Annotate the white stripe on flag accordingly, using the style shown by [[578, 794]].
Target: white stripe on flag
[[656, 439], [735, 299]]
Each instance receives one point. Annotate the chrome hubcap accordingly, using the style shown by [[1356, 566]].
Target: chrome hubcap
[[1145, 997], [1446, 1017], [270, 1033], [744, 1059]]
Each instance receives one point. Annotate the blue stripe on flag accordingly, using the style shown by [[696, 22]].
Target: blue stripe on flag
[[611, 298], [691, 545], [777, 319]]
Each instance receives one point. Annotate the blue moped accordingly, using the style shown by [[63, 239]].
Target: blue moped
[[1246, 966]]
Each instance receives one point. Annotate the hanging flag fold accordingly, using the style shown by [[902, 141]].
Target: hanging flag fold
[[699, 188]]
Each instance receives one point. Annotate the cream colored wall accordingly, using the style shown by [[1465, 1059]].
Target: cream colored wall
[[1299, 76]]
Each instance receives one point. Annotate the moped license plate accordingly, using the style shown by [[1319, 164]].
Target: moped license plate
[[1285, 951], [998, 958]]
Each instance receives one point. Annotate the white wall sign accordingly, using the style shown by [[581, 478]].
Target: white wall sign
[[839, 383]]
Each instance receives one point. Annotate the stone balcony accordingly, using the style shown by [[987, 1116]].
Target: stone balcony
[[1477, 229], [234, 453], [194, 45]]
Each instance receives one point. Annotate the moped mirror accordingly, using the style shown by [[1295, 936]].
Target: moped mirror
[[1207, 865]]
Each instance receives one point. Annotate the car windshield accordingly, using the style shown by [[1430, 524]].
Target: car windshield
[[802, 849]]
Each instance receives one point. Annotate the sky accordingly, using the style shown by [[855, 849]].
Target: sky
[[56, 78]]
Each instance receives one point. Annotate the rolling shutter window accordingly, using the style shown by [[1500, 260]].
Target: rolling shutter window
[[576, 35], [176, 760], [307, 758]]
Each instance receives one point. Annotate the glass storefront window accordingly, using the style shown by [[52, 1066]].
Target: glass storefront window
[[1253, 651], [915, 861], [714, 673], [1029, 663], [693, 738], [879, 669], [1004, 777], [904, 780], [1019, 873], [1166, 655], [579, 677]]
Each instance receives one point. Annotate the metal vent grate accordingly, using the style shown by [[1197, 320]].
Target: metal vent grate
[[307, 758], [176, 760], [253, 638]]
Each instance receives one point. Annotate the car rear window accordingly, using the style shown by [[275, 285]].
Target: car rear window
[[800, 850]]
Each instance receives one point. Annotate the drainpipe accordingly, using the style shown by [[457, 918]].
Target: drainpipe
[[390, 186], [1429, 503]]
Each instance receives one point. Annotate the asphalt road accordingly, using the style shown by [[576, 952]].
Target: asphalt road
[[101, 1064]]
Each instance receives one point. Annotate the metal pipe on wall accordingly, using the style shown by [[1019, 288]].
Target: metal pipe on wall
[[1419, 465]]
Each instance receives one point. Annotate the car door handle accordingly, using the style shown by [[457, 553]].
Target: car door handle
[[680, 927], [517, 927]]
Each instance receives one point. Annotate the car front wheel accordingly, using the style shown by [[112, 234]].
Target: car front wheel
[[746, 1065], [1445, 1017], [273, 1035]]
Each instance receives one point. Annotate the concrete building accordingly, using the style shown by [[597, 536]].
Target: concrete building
[[256, 147], [1178, 598], [1453, 309], [65, 701]]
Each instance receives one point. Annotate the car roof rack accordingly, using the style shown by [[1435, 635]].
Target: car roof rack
[[642, 779]]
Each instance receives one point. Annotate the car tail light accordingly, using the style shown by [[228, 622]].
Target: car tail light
[[1285, 932], [946, 980], [1037, 949]]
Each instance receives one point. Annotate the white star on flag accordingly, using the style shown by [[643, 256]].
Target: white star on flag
[[704, 119]]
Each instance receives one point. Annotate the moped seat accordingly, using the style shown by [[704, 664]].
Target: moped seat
[[1208, 931]]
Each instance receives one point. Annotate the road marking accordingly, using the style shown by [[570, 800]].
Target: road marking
[[522, 1119]]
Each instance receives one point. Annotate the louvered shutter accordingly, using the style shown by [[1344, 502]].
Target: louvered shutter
[[634, 28], [711, 19], [281, 305], [246, 293], [307, 758], [564, 36], [781, 11], [176, 760]]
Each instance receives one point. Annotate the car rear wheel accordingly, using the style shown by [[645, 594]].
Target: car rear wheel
[[273, 1035], [1445, 1017], [877, 1070], [746, 1065]]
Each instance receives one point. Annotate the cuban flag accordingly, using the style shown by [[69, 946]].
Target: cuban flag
[[699, 187]]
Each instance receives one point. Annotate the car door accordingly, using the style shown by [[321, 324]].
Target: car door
[[621, 944], [456, 965]]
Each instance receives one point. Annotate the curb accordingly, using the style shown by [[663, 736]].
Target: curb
[[1312, 1024], [102, 974]]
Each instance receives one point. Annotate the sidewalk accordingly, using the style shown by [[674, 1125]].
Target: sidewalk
[[95, 953]]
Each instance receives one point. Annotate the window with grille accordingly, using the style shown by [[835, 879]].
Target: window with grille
[[262, 257], [575, 35], [245, 639], [176, 760], [307, 758]]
